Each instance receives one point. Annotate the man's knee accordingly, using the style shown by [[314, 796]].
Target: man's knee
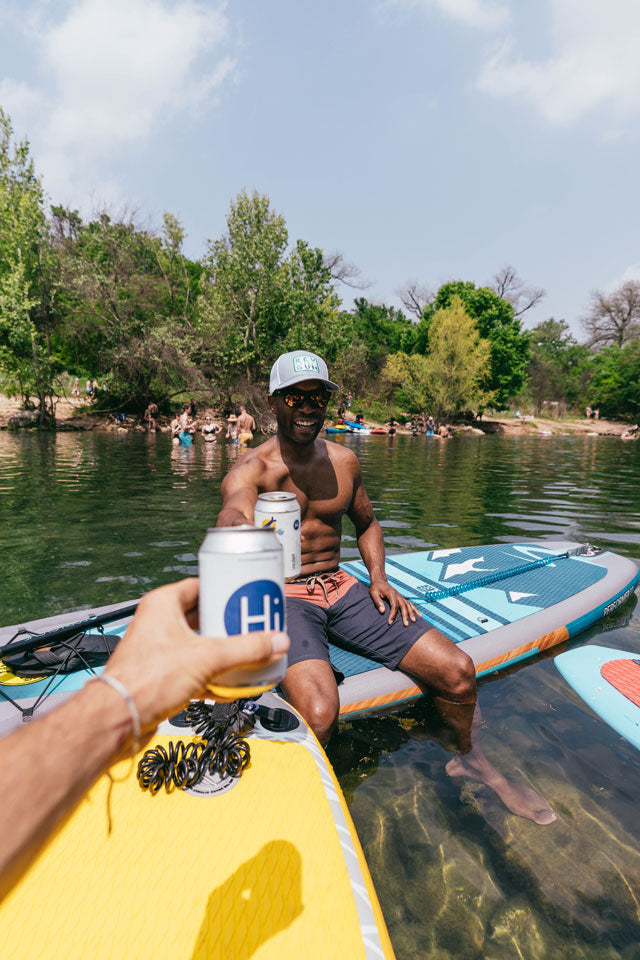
[[322, 716], [459, 680], [315, 696]]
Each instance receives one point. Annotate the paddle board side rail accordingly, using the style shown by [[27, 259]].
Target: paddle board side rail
[[35, 641]]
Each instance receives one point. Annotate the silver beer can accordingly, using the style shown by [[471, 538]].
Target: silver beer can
[[242, 590], [280, 511]]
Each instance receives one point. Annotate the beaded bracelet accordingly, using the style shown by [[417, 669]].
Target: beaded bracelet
[[120, 688]]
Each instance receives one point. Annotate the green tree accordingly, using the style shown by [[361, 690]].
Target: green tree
[[257, 299], [497, 323], [558, 367], [615, 385], [26, 318], [449, 379], [382, 330], [241, 313], [129, 300]]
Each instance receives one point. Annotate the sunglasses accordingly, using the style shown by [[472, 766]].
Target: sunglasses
[[296, 398]]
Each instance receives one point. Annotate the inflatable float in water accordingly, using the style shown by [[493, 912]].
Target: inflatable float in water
[[608, 681]]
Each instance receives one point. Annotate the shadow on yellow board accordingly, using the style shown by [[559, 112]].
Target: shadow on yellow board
[[258, 911]]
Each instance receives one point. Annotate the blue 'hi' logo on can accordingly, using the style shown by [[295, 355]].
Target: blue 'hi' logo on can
[[255, 606]]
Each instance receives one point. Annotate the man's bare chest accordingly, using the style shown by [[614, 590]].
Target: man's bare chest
[[322, 492]]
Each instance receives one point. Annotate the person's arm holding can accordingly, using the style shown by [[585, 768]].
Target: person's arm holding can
[[158, 666], [239, 491]]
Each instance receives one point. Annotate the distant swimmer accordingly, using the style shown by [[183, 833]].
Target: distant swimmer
[[431, 427], [210, 428], [245, 425], [392, 424], [175, 429]]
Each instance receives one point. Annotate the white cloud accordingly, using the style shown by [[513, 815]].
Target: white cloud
[[632, 272], [595, 62], [113, 71], [487, 14]]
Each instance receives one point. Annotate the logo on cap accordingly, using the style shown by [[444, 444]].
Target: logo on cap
[[305, 365]]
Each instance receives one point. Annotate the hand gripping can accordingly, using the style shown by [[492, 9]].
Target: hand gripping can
[[280, 511], [242, 590]]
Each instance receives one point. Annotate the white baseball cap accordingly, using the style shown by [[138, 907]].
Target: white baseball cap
[[297, 366]]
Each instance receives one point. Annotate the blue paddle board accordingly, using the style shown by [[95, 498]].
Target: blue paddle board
[[501, 603], [598, 676]]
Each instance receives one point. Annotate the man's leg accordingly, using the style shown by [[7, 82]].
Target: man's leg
[[310, 686], [435, 661]]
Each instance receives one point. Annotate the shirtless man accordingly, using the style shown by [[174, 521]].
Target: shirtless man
[[324, 600], [245, 425]]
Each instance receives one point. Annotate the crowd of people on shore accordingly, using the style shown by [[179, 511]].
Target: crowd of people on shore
[[92, 388]]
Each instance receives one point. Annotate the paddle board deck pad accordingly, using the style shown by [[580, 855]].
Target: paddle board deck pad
[[608, 681], [502, 604], [267, 865]]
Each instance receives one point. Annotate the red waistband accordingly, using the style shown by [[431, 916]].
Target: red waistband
[[321, 588]]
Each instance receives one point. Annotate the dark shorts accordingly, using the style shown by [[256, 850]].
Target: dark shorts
[[352, 622]]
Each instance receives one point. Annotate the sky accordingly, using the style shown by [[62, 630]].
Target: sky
[[425, 140]]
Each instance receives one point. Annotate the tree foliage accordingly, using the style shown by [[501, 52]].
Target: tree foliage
[[558, 369], [106, 297], [497, 323], [448, 380], [614, 318], [615, 384], [129, 302], [27, 309]]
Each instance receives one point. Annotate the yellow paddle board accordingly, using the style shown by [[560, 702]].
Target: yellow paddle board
[[265, 866]]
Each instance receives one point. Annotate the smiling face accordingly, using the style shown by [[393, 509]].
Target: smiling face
[[298, 411]]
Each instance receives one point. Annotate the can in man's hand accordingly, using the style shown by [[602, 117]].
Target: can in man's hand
[[280, 511], [242, 590]]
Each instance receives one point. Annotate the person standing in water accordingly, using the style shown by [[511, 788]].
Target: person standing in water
[[150, 415], [245, 425], [209, 429], [325, 600], [232, 428]]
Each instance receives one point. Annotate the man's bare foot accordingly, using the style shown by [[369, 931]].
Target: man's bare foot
[[521, 800]]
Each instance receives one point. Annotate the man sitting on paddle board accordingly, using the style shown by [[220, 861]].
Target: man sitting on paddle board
[[325, 600]]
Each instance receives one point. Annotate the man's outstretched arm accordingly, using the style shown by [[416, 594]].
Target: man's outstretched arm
[[239, 491]]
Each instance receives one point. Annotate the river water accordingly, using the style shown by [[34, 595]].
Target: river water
[[93, 519]]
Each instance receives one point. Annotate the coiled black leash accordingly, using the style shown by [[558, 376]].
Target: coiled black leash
[[220, 750]]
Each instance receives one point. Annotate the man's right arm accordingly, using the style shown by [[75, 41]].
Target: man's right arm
[[239, 491]]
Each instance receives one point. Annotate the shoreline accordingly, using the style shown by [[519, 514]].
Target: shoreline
[[73, 415]]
